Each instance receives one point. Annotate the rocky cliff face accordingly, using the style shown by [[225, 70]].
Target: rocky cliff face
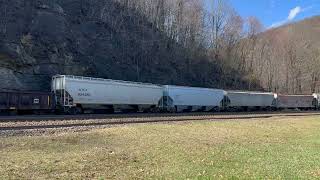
[[41, 38]]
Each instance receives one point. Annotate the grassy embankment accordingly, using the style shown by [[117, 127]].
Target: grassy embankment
[[272, 148]]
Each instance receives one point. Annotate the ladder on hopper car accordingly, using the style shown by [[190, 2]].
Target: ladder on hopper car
[[63, 98]]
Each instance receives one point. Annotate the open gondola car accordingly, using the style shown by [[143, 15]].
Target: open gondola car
[[26, 102]]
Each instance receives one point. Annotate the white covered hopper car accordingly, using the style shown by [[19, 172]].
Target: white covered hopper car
[[317, 99], [188, 99], [251, 100], [76, 94]]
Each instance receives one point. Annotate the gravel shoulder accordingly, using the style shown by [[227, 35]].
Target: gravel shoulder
[[34, 125]]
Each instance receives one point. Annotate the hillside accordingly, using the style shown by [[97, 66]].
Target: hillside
[[41, 38], [307, 29], [287, 58]]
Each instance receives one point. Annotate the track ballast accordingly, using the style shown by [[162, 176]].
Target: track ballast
[[35, 125]]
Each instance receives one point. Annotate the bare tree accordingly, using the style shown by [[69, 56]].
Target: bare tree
[[220, 10]]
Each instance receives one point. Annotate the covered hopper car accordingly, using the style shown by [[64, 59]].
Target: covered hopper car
[[240, 100], [189, 99], [303, 102], [317, 100], [76, 94]]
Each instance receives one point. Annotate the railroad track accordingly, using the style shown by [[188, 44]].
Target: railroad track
[[20, 124], [38, 118]]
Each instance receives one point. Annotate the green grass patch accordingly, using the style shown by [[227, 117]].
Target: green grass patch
[[257, 149]]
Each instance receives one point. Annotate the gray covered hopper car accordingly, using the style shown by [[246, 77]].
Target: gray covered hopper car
[[250, 100], [304, 102]]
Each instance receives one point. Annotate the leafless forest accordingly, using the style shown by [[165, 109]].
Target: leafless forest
[[285, 59], [181, 42]]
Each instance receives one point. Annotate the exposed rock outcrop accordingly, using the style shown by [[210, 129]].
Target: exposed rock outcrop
[[40, 38]]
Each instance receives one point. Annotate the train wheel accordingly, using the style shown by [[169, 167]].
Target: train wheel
[[70, 111], [78, 110], [155, 110], [217, 109], [175, 109], [74, 110]]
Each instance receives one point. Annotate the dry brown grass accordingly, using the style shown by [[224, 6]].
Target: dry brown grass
[[270, 148]]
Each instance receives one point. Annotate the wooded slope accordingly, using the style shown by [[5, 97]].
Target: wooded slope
[[287, 58], [102, 38]]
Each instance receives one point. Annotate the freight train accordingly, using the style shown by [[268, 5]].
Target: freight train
[[77, 95]]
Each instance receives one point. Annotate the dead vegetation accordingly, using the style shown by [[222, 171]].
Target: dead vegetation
[[270, 148]]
